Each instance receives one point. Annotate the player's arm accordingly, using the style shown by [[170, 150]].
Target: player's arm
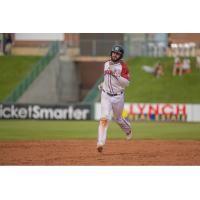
[[100, 86], [123, 78], [123, 81]]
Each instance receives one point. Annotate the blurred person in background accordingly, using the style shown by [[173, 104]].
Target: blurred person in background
[[157, 70], [198, 61], [186, 66], [177, 67], [7, 44]]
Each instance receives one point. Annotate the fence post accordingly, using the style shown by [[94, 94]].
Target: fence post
[[127, 45], [94, 50]]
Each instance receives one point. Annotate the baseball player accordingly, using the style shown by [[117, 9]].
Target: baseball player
[[116, 79]]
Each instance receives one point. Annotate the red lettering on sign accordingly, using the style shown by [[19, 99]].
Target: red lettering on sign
[[181, 110], [153, 109], [141, 108], [131, 112], [167, 109]]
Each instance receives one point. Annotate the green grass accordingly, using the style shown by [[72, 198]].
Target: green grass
[[145, 87], [43, 130], [12, 70]]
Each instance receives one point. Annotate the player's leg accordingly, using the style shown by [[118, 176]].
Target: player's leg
[[125, 125], [106, 109]]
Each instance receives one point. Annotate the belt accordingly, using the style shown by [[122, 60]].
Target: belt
[[112, 94]]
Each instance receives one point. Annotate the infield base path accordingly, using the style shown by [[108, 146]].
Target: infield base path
[[116, 152]]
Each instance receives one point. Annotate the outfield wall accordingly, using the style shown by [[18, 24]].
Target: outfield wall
[[133, 111], [46, 112], [158, 112]]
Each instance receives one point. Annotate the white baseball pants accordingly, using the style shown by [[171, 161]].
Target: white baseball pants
[[109, 104]]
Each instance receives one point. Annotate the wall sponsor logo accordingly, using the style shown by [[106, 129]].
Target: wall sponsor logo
[[157, 112], [68, 112]]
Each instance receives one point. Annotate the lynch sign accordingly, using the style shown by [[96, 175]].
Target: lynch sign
[[158, 112], [68, 112]]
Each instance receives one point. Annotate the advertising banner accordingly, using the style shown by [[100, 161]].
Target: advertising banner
[[45, 112], [157, 112]]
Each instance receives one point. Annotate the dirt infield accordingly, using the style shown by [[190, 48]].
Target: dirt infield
[[116, 152]]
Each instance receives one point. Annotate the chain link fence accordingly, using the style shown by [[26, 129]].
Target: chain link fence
[[134, 48]]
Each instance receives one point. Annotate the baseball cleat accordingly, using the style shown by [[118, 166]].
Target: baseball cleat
[[129, 135], [99, 148]]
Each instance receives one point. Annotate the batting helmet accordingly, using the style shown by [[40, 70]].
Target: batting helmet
[[118, 49]]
